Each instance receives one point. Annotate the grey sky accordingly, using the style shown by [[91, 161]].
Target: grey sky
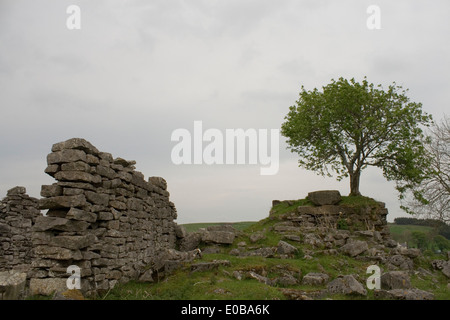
[[137, 70]]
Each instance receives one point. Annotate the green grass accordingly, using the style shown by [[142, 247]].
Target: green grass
[[220, 284]]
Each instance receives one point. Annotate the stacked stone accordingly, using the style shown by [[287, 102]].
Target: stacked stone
[[102, 217], [328, 214], [18, 211]]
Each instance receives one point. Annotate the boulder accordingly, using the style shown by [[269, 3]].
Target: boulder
[[395, 280], [446, 269], [346, 285], [401, 262], [286, 248], [219, 237], [191, 241], [255, 237], [355, 248], [315, 279], [325, 197], [12, 285], [403, 294]]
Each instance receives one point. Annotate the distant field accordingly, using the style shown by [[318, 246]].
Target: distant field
[[191, 227], [396, 229]]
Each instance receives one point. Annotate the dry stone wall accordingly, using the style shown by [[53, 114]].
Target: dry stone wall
[[18, 212], [103, 217]]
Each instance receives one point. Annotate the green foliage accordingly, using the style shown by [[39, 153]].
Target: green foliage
[[342, 224], [420, 238], [349, 126]]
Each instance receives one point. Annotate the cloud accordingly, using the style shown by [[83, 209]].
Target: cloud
[[137, 70]]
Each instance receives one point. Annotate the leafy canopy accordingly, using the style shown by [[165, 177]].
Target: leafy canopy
[[349, 125]]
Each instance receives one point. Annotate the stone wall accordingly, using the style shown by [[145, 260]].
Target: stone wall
[[103, 217], [18, 211]]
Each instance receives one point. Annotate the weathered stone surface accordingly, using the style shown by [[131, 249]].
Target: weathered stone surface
[[76, 176], [74, 242], [446, 269], [54, 223], [51, 191], [315, 279], [48, 286], [261, 278], [12, 285], [401, 262], [286, 248], [256, 236], [403, 294], [76, 166], [325, 197], [16, 191], [395, 280], [62, 202], [97, 198], [219, 237], [81, 215], [180, 232], [64, 156], [57, 253], [159, 182], [346, 285], [75, 143], [355, 248]]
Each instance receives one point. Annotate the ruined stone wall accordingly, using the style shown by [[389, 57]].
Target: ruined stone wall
[[102, 217], [18, 211], [328, 213]]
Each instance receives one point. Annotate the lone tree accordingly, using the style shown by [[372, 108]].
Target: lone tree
[[349, 126]]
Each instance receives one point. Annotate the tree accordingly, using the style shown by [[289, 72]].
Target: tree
[[349, 125], [431, 197]]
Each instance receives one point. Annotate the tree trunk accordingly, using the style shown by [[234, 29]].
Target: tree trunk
[[354, 183]]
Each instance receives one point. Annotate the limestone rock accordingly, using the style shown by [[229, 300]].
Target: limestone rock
[[401, 262], [48, 286], [76, 143], [325, 197], [62, 202], [286, 248], [315, 279], [346, 285], [191, 241], [256, 236], [403, 294], [355, 248], [16, 191], [219, 237], [12, 285], [395, 280]]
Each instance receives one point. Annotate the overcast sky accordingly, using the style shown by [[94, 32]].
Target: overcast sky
[[138, 70]]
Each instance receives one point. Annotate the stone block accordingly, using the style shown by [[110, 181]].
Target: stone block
[[325, 197]]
